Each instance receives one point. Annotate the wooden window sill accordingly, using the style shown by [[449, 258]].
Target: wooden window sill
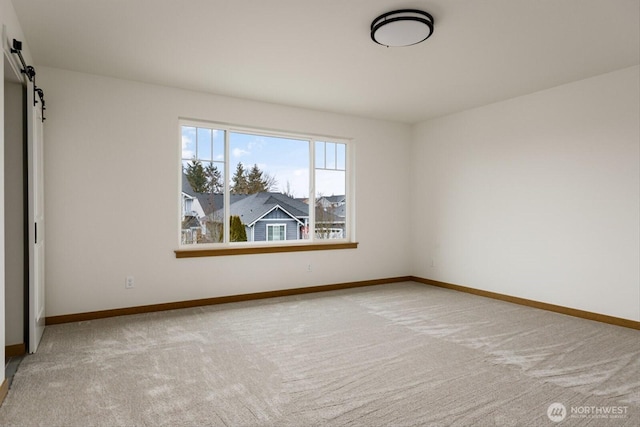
[[226, 251]]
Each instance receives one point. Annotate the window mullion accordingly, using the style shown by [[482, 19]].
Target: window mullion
[[227, 190], [312, 189]]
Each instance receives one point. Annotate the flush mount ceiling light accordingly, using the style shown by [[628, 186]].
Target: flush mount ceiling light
[[403, 27]]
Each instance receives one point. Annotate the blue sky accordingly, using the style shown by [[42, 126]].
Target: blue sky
[[285, 159]]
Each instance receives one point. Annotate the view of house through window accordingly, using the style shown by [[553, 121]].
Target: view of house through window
[[267, 195]]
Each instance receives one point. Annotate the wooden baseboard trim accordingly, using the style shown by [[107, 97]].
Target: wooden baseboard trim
[[4, 389], [93, 315], [78, 317], [15, 350], [618, 321]]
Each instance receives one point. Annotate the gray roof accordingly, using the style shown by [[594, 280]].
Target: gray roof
[[186, 187], [255, 206], [213, 202], [251, 207], [335, 199], [210, 202]]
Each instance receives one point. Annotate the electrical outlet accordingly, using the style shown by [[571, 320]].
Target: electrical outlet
[[309, 270], [128, 282]]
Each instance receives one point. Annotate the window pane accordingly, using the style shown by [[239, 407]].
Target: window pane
[[269, 181], [202, 188], [331, 206]]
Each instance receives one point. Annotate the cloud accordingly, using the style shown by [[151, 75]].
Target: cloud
[[188, 147], [239, 152], [256, 143]]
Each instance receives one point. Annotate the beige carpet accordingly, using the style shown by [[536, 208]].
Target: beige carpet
[[404, 354]]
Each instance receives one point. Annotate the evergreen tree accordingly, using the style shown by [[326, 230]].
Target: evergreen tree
[[239, 180], [237, 232], [214, 179], [197, 176], [255, 181], [252, 181], [204, 179]]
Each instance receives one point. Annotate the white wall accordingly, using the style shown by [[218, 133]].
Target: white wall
[[536, 197], [14, 213], [112, 206]]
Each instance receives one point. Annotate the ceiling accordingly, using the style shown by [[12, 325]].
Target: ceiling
[[318, 53]]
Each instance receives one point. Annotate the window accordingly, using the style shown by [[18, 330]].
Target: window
[[331, 167], [242, 186], [276, 232]]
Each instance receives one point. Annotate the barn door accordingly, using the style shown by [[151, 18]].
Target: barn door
[[35, 218]]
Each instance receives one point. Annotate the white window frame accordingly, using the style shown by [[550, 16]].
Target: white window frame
[[349, 236]]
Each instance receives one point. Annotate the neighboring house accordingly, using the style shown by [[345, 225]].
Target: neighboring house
[[266, 216], [336, 205], [276, 217], [327, 202], [192, 214], [330, 217], [270, 216]]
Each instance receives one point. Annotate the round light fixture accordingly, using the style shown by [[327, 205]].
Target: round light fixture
[[403, 27]]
